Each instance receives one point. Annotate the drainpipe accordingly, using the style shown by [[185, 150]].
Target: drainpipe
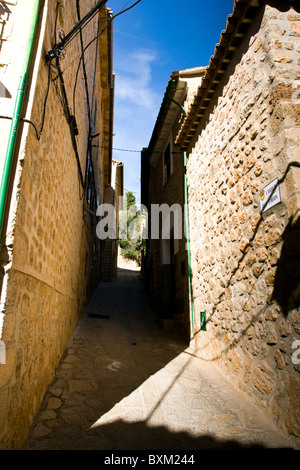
[[187, 228], [186, 214], [16, 115]]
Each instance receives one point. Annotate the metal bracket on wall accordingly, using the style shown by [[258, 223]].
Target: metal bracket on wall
[[203, 321]]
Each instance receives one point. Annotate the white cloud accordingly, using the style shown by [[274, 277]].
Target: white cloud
[[133, 80], [136, 107]]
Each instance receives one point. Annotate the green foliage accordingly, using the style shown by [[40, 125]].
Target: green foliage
[[129, 219], [130, 199], [131, 252]]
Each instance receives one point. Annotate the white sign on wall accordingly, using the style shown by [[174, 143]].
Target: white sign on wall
[[269, 196]]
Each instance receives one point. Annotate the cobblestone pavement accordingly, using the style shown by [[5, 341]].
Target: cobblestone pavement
[[124, 384]]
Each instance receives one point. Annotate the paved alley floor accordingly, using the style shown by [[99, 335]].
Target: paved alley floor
[[124, 384]]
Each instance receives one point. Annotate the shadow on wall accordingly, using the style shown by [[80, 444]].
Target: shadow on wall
[[287, 279], [286, 289]]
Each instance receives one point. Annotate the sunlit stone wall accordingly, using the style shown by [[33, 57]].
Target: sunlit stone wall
[[48, 256], [246, 263]]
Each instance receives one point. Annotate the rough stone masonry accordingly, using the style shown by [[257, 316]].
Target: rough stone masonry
[[50, 244], [246, 263]]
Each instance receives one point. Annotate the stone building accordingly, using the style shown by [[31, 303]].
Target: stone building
[[109, 246], [166, 269], [240, 137], [57, 170]]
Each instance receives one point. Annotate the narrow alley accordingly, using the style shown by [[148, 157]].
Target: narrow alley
[[125, 384], [111, 139]]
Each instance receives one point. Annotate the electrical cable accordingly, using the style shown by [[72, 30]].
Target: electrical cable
[[96, 37], [24, 120], [45, 104], [84, 70], [117, 184], [56, 18], [94, 100], [128, 150], [89, 163], [56, 50], [81, 58], [70, 119], [111, 19]]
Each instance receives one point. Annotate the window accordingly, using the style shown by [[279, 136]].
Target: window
[[165, 251], [167, 171]]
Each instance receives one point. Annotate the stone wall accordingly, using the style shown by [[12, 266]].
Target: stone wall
[[246, 264], [50, 253]]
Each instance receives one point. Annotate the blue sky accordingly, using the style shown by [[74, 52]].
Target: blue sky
[[150, 41]]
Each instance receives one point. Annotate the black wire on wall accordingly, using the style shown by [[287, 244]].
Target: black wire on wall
[[66, 39], [70, 119], [89, 181], [57, 53]]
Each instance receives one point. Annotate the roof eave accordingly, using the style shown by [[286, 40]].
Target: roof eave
[[238, 23], [244, 12], [166, 117]]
